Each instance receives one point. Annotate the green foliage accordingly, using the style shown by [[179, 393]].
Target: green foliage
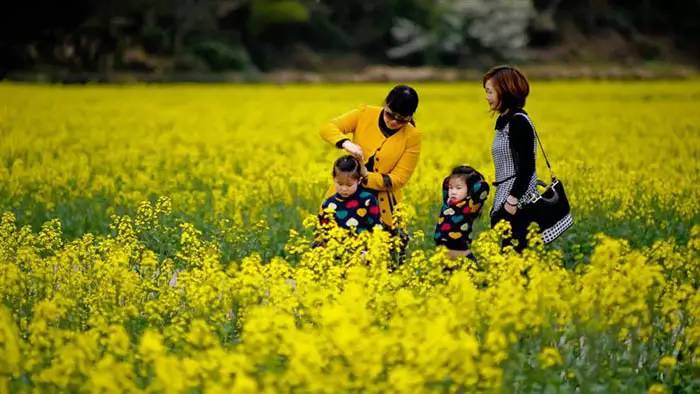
[[267, 13], [222, 56]]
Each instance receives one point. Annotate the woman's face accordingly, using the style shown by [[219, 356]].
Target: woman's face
[[491, 95], [394, 120]]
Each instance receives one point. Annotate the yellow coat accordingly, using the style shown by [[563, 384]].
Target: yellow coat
[[395, 156]]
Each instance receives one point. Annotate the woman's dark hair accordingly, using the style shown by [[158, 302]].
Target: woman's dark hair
[[511, 86], [402, 99], [345, 164]]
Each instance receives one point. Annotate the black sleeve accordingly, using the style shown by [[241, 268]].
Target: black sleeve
[[339, 144], [522, 140]]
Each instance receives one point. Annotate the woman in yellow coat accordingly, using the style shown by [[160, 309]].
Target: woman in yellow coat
[[386, 140]]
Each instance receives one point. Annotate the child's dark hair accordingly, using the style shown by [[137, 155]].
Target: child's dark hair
[[402, 99], [466, 173], [347, 163]]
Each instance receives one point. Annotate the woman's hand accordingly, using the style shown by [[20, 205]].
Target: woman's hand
[[363, 171], [355, 150], [511, 205]]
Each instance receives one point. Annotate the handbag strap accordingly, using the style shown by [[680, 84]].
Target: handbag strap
[[537, 137]]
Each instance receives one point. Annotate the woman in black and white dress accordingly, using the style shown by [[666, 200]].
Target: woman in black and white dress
[[513, 150]]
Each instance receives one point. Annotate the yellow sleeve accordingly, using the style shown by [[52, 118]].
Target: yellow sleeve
[[337, 128], [404, 167], [375, 181]]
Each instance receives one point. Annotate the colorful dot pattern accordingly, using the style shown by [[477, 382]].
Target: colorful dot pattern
[[359, 211], [454, 225]]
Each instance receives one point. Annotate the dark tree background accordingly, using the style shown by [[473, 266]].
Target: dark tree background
[[205, 36]]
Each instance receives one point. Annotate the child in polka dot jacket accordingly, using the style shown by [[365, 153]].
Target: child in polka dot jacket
[[464, 193], [352, 206]]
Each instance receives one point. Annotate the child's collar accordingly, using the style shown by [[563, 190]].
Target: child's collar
[[459, 203], [341, 198]]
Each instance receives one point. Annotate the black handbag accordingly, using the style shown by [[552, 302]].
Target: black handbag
[[550, 208]]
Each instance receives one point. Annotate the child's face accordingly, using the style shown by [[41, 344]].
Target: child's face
[[345, 184], [457, 189]]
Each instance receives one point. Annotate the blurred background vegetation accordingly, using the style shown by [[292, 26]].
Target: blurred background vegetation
[[84, 40]]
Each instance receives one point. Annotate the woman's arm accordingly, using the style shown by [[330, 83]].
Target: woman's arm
[[335, 131], [403, 169], [522, 140]]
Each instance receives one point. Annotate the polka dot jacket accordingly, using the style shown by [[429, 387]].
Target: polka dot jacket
[[359, 211], [454, 225]]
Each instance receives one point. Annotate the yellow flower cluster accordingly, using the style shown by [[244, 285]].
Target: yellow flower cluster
[[164, 239], [108, 315]]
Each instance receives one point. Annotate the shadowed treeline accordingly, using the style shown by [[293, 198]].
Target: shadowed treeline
[[85, 39]]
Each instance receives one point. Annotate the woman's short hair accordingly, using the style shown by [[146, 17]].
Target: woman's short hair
[[511, 86]]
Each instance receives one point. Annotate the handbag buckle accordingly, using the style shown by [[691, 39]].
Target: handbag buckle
[[529, 198]]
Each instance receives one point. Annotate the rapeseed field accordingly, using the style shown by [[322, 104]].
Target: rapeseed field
[[158, 239]]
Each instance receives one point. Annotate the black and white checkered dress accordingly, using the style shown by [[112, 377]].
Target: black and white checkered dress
[[506, 167]]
